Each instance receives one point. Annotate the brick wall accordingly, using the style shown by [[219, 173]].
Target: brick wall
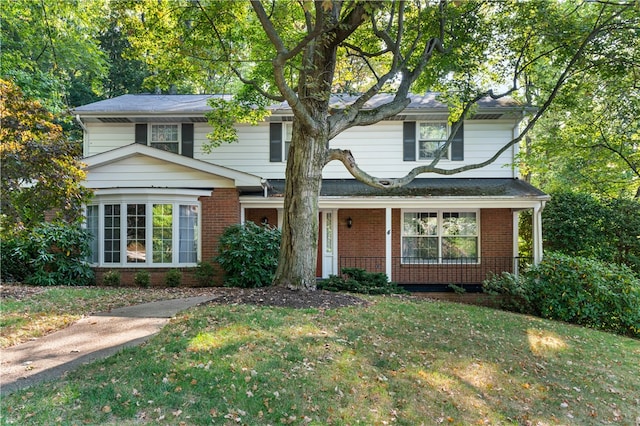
[[258, 216], [365, 238]]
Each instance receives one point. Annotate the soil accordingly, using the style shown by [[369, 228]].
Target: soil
[[265, 296]]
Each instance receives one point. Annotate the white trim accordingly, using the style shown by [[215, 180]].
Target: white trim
[[388, 247]]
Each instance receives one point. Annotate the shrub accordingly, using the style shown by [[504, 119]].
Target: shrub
[[512, 292], [142, 279], [204, 274], [356, 280], [49, 254], [586, 292], [173, 278], [111, 278], [249, 255]]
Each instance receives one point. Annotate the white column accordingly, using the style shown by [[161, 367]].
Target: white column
[[537, 233], [388, 250]]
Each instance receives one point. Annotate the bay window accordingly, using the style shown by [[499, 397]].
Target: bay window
[[440, 236]]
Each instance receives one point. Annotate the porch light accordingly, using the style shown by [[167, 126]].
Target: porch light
[[349, 222], [265, 220]]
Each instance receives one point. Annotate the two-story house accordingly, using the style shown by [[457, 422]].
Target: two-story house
[[162, 201]]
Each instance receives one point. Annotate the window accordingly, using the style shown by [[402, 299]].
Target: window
[[165, 136], [439, 237], [286, 142], [148, 233], [279, 141], [431, 139]]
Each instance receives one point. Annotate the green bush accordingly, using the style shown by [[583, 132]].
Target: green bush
[[49, 254], [586, 292], [111, 278], [356, 280], [173, 278], [204, 274], [142, 279], [248, 254], [512, 292]]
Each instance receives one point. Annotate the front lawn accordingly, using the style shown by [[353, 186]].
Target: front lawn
[[395, 361]]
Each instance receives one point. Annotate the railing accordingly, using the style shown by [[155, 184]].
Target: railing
[[406, 270]]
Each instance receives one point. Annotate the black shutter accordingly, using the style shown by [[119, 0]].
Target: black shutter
[[409, 141], [187, 140], [141, 134], [275, 142], [457, 144]]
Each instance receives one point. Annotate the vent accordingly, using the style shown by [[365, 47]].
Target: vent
[[114, 120], [198, 119], [486, 116]]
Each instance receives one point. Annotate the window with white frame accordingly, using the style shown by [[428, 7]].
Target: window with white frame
[[144, 233], [432, 137], [287, 132], [165, 137], [440, 236]]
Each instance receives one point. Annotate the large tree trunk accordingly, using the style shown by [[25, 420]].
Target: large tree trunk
[[299, 247]]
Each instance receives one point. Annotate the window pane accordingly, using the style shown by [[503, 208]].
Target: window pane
[[419, 248], [433, 131], [112, 233], [162, 233], [93, 228], [460, 248], [164, 133], [136, 233], [459, 224], [188, 246], [420, 223]]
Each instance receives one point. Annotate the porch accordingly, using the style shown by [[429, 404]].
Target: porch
[[431, 275]]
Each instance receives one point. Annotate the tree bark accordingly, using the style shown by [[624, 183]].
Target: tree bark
[[298, 249]]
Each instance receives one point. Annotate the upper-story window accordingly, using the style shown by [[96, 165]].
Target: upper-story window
[[176, 138], [424, 140], [279, 141], [165, 136], [432, 137]]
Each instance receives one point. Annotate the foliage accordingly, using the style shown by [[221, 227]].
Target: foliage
[[587, 292], [581, 225], [142, 279], [173, 278], [40, 169], [578, 290], [111, 278], [204, 274], [397, 361], [248, 254], [47, 254], [356, 280]]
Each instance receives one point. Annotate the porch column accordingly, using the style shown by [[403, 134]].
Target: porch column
[[387, 250], [280, 218], [537, 233]]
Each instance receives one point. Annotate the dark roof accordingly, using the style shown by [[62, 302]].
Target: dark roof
[[197, 104], [424, 187]]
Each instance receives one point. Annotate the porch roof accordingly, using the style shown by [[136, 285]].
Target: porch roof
[[426, 187]]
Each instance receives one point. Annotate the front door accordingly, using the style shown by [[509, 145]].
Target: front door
[[329, 244]]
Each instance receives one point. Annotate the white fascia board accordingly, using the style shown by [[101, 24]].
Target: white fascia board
[[241, 179], [401, 202], [153, 192]]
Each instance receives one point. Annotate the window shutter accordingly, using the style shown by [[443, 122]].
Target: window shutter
[[141, 134], [457, 144], [409, 141], [275, 142], [187, 140]]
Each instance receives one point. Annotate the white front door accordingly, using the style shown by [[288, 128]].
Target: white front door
[[329, 243]]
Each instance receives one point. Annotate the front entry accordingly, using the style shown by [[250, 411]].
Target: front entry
[[329, 242]]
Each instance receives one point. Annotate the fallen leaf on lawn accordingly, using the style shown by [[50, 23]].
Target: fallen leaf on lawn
[[106, 409]]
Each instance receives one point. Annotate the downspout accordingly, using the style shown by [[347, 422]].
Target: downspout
[[265, 187], [515, 132], [85, 135]]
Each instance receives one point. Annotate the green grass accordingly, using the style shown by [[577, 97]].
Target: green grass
[[57, 307], [396, 361]]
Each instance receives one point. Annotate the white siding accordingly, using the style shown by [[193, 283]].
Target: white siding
[[144, 172], [377, 149]]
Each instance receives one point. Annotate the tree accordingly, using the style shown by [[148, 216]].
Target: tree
[[295, 52], [40, 170]]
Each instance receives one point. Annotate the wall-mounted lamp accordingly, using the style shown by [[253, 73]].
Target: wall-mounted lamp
[[264, 220], [349, 222]]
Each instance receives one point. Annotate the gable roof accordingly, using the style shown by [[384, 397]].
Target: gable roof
[[193, 107], [215, 172]]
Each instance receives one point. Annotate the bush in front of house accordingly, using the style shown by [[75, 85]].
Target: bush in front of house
[[48, 254], [142, 279], [204, 274], [248, 255], [173, 278], [577, 290], [357, 280], [111, 278]]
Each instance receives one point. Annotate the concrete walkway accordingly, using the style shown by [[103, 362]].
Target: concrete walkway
[[91, 338]]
